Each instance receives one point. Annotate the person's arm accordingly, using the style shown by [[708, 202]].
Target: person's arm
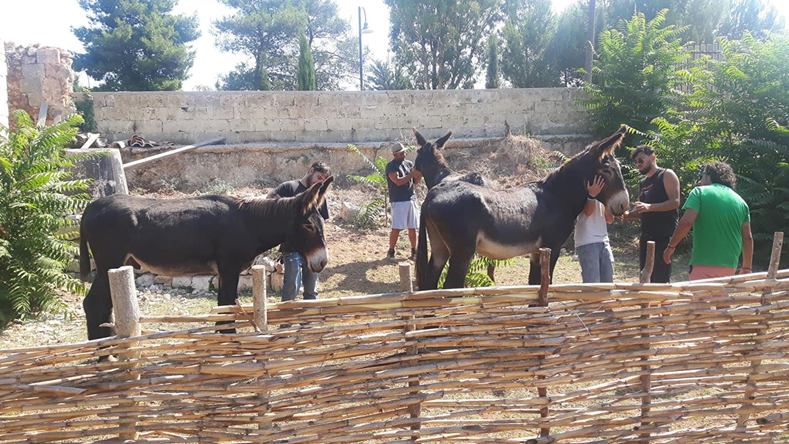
[[747, 248], [683, 228], [609, 218], [400, 181], [671, 184], [593, 188], [274, 192]]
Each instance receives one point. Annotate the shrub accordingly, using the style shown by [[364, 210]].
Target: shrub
[[36, 195]]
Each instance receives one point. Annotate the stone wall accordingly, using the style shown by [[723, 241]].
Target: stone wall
[[3, 86], [38, 74], [337, 117]]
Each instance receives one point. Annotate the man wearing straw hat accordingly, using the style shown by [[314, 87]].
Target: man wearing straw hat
[[721, 225], [400, 180]]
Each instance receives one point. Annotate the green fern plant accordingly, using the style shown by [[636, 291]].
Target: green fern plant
[[477, 275], [370, 214], [36, 195]]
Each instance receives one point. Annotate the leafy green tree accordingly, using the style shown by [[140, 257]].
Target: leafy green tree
[[136, 45], [492, 77], [385, 77], [635, 74], [266, 32], [527, 61], [36, 196], [569, 43], [755, 17], [306, 65], [439, 42]]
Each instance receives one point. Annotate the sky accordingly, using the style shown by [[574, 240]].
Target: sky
[[49, 22]]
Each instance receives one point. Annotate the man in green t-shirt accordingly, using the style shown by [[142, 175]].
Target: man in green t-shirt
[[721, 225]]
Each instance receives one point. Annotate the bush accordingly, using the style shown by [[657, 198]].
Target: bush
[[36, 196]]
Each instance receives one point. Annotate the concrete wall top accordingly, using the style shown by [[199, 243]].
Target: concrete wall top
[[337, 116]]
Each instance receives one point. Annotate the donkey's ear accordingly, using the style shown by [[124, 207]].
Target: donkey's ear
[[440, 142], [315, 195], [420, 139], [607, 146]]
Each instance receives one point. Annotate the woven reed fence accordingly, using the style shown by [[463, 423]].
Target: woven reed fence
[[685, 362]]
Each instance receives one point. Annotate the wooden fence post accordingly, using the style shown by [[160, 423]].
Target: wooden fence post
[[259, 300], [750, 385], [127, 325], [646, 377], [407, 285], [542, 301]]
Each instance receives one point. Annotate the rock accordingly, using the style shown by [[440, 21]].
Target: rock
[[277, 281], [181, 281], [145, 280], [73, 266], [266, 262], [244, 283], [163, 280], [202, 283]]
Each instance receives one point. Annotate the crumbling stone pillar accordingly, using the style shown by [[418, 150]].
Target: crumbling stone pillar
[[38, 74]]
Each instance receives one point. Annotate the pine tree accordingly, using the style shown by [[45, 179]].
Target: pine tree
[[492, 78], [136, 45], [306, 65]]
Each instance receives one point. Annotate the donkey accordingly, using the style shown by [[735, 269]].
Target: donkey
[[201, 235], [432, 165], [462, 218]]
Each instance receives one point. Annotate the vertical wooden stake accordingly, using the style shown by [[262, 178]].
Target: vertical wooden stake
[[407, 286], [750, 386], [646, 377], [406, 283], [259, 300], [542, 301], [127, 325]]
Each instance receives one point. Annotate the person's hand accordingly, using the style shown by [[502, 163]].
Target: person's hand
[[667, 254], [594, 187], [743, 270], [624, 216], [641, 207]]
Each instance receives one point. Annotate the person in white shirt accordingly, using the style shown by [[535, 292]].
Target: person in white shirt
[[591, 237]]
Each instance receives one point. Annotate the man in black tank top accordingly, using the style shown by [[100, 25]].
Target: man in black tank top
[[658, 201]]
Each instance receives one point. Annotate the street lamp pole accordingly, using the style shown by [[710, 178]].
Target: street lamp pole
[[362, 30]]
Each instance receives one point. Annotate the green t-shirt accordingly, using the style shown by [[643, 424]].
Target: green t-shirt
[[717, 234]]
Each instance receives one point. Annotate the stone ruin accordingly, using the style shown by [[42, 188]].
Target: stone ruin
[[39, 74]]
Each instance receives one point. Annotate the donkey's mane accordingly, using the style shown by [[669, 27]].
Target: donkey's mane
[[570, 164], [440, 160], [276, 207]]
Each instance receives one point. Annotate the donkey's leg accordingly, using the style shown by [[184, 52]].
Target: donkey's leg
[[438, 257], [458, 267], [98, 306], [534, 268], [228, 289]]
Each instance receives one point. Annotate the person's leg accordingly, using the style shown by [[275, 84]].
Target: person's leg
[[606, 263], [392, 243], [661, 273], [310, 280], [399, 223], [590, 263], [413, 225], [292, 278]]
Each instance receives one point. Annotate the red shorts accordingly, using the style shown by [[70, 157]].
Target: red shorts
[[710, 271]]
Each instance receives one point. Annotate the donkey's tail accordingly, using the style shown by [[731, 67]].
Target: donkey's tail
[[421, 252], [84, 254]]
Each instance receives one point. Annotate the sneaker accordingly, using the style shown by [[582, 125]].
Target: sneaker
[[413, 254], [390, 254]]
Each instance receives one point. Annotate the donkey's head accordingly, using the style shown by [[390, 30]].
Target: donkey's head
[[598, 160], [306, 234], [429, 160]]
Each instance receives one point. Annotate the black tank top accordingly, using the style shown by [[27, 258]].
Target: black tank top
[[656, 224]]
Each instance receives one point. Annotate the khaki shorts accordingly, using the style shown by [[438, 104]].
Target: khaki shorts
[[405, 215]]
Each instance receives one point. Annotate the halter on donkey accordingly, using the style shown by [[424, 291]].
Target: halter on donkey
[[462, 218]]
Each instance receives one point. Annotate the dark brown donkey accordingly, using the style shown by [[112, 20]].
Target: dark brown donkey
[[200, 235], [461, 218]]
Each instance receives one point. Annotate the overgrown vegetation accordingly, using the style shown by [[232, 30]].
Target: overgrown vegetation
[[85, 109], [477, 275], [36, 196], [736, 110], [370, 214]]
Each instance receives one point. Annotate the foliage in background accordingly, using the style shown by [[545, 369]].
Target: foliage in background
[[477, 275], [527, 60], [369, 216], [569, 43], [36, 196], [635, 74], [492, 75], [136, 45], [385, 77], [306, 65], [439, 43], [267, 33], [85, 109]]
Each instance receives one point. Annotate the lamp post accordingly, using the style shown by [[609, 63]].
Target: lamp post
[[362, 30]]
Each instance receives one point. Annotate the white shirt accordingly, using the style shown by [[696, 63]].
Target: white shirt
[[591, 229]]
